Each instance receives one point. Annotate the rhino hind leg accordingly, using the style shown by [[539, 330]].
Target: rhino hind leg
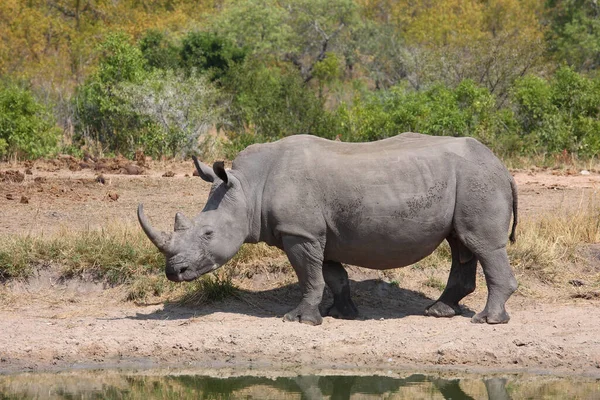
[[501, 285], [306, 258], [461, 281], [336, 279]]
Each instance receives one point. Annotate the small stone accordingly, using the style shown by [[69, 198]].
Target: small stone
[[9, 196], [585, 172], [100, 179], [28, 171], [576, 282], [195, 173], [168, 174], [131, 169], [24, 200], [113, 196]]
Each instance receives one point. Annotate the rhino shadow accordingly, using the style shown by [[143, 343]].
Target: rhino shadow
[[374, 298]]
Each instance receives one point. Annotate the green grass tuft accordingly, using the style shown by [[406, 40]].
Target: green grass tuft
[[208, 289]]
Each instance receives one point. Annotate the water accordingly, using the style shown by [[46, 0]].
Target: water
[[176, 385]]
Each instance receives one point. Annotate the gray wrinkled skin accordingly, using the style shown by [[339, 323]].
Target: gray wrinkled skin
[[378, 205]]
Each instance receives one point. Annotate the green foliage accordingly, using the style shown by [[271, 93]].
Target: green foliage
[[101, 115], [178, 109], [210, 54], [560, 114], [159, 51], [27, 127], [271, 103], [465, 111], [574, 34]]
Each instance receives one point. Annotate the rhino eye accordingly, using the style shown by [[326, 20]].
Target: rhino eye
[[208, 233]]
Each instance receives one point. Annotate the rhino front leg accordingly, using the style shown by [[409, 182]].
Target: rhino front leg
[[306, 258], [336, 279]]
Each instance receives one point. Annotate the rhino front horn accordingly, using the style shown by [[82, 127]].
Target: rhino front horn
[[181, 222], [159, 238]]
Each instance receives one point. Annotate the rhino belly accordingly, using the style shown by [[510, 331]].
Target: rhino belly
[[390, 243]]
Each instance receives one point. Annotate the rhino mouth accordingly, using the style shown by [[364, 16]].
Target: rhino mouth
[[188, 274]]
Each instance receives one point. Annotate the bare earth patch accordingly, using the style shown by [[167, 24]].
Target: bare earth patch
[[46, 323]]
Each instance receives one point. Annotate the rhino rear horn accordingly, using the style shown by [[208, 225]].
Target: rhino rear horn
[[160, 239], [182, 222]]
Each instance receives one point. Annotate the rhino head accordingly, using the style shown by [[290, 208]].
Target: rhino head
[[202, 245]]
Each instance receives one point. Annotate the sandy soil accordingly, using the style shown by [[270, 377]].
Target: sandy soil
[[49, 324]]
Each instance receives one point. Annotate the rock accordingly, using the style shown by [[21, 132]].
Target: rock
[[585, 172], [39, 179], [168, 174], [113, 196], [100, 179], [9, 196], [576, 282], [195, 173], [28, 171], [24, 200], [131, 169]]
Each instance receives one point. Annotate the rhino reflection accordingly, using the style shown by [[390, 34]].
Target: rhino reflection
[[111, 385]]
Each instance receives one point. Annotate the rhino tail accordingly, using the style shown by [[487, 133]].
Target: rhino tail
[[513, 187]]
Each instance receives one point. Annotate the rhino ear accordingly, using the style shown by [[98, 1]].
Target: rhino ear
[[221, 172], [204, 171]]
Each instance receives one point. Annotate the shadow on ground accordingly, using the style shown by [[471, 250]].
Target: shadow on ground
[[374, 298]]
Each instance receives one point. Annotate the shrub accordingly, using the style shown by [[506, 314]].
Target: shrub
[[467, 110], [159, 51], [560, 114], [27, 127], [101, 116], [210, 54], [178, 109], [271, 103]]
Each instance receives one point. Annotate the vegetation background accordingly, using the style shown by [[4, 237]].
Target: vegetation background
[[173, 77]]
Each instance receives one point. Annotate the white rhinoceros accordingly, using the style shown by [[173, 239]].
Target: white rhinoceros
[[378, 205]]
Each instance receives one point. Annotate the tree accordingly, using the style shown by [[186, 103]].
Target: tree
[[574, 35], [210, 54], [301, 32]]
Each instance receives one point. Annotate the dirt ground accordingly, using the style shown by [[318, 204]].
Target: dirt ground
[[47, 324]]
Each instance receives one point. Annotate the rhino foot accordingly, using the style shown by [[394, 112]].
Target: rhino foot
[[304, 314], [342, 309], [484, 316], [440, 309]]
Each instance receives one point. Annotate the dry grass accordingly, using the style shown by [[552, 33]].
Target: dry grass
[[547, 244], [115, 254], [547, 251], [562, 162]]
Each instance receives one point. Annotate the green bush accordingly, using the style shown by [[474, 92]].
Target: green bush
[[271, 103], [27, 127], [159, 51], [102, 116], [467, 110], [561, 114], [209, 54], [178, 109]]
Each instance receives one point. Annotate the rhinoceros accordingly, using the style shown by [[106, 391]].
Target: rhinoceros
[[378, 205]]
